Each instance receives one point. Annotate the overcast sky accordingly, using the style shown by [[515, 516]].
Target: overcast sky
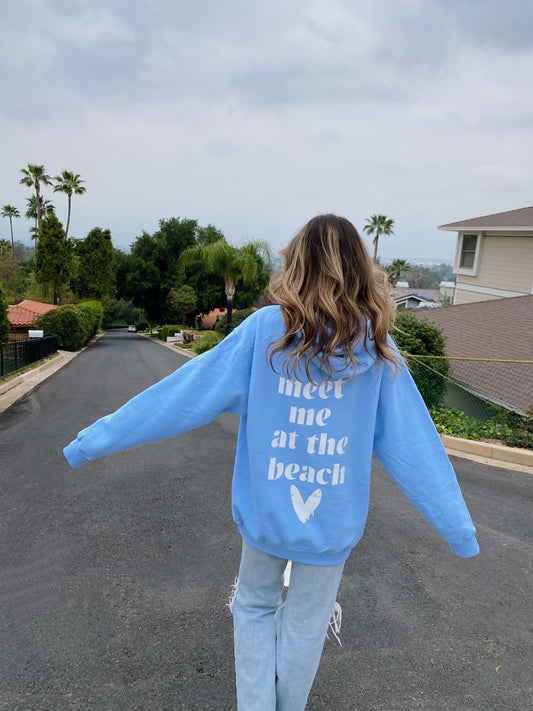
[[255, 116]]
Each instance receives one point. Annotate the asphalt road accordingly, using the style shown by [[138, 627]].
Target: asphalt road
[[114, 577]]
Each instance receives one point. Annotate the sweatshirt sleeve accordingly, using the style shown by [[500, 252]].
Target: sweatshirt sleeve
[[411, 450], [192, 396]]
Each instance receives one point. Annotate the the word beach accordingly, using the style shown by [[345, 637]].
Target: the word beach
[[315, 441]]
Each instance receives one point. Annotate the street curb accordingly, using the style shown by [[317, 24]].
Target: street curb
[[17, 378], [25, 382], [498, 453], [172, 346]]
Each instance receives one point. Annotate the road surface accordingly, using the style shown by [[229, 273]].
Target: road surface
[[114, 577]]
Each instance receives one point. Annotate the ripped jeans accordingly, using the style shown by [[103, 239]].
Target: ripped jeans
[[278, 645]]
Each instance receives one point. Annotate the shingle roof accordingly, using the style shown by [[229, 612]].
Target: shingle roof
[[521, 220], [27, 312], [499, 328]]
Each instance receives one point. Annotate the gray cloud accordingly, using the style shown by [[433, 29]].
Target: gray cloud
[[61, 54], [229, 111]]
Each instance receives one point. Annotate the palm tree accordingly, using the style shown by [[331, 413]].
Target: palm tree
[[69, 183], [34, 177], [47, 209], [378, 225], [11, 211], [396, 268], [231, 263]]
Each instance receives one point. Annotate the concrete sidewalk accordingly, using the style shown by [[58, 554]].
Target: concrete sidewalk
[[489, 453]]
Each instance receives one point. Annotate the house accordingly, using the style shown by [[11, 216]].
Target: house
[[409, 298], [494, 256], [491, 331], [23, 317]]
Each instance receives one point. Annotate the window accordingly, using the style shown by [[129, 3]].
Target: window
[[468, 252]]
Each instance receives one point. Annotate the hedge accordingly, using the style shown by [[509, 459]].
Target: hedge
[[74, 325], [5, 326], [166, 331]]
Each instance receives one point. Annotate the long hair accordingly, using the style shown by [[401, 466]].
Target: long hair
[[331, 299]]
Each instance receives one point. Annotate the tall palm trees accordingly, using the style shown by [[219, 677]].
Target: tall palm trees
[[231, 263], [11, 211], [34, 176], [376, 226], [69, 183]]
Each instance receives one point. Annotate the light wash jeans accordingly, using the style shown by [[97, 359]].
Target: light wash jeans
[[278, 646]]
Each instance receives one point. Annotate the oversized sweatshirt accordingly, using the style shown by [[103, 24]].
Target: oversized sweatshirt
[[302, 468]]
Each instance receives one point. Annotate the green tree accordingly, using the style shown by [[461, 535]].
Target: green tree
[[184, 300], [119, 313], [420, 278], [419, 337], [151, 270], [96, 265], [23, 252], [52, 256], [11, 211], [34, 176], [11, 274], [396, 269], [5, 326], [69, 183], [229, 262], [376, 226], [442, 272]]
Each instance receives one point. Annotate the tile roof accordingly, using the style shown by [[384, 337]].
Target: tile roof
[[27, 312], [499, 328], [521, 219], [38, 307]]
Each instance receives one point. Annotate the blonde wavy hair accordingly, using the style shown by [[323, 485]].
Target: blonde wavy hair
[[331, 298]]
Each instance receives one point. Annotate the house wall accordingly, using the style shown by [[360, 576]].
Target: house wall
[[504, 268]]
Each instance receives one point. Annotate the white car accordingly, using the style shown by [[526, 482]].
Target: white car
[[131, 329]]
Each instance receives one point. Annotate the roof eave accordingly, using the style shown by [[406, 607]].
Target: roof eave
[[481, 228]]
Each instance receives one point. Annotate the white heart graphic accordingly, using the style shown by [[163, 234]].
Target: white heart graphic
[[305, 509]]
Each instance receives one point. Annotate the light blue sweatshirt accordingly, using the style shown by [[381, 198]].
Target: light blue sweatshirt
[[302, 468]]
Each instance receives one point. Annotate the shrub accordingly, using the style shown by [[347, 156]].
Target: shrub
[[419, 337], [510, 428], [237, 318], [96, 314], [210, 340], [166, 331], [74, 326]]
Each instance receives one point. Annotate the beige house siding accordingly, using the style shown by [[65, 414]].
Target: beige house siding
[[505, 264], [470, 297]]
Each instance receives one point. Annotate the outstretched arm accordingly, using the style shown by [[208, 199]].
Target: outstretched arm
[[411, 450], [192, 396]]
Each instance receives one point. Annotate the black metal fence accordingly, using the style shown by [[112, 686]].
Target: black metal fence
[[19, 354]]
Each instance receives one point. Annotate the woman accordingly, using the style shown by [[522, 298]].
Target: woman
[[318, 385]]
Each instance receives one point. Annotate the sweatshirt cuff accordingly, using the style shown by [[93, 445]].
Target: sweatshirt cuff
[[465, 549], [74, 455]]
